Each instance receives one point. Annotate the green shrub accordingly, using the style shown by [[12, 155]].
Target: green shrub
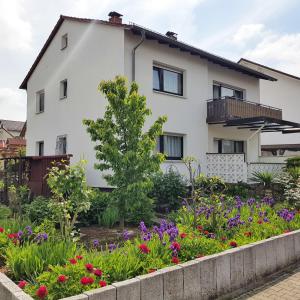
[[30, 260], [38, 210], [209, 185], [241, 189], [109, 217], [292, 162], [168, 190], [5, 212], [264, 178]]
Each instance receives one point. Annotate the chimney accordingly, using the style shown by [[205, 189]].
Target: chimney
[[115, 17], [171, 35]]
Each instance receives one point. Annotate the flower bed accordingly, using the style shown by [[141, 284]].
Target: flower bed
[[219, 227]]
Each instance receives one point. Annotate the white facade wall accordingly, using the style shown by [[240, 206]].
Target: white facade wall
[[96, 52], [285, 94]]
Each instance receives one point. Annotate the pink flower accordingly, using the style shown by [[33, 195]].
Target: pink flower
[[89, 267], [86, 280], [175, 246], [22, 284], [144, 248], [62, 278], [175, 260], [183, 235], [98, 272], [73, 261], [1, 229], [233, 244], [102, 283], [42, 292], [79, 257]]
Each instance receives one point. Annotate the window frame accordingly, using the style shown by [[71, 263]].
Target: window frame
[[66, 146], [64, 41], [62, 89], [38, 101], [160, 70], [227, 86], [220, 146], [162, 146]]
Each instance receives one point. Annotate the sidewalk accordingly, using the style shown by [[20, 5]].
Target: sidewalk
[[284, 287]]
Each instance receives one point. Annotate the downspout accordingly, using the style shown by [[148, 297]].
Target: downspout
[[133, 54]]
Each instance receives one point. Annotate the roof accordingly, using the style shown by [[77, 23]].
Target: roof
[[152, 35], [10, 125], [268, 68]]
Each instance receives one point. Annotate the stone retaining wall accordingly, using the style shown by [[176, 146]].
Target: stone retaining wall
[[222, 275]]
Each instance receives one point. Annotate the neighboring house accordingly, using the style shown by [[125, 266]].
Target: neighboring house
[[284, 94], [177, 79], [9, 128]]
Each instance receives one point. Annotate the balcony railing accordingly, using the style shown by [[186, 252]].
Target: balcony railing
[[222, 110]]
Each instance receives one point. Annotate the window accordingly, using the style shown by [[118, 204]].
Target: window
[[227, 146], [40, 148], [171, 146], [61, 145], [220, 91], [40, 101], [167, 81], [63, 89], [64, 41]]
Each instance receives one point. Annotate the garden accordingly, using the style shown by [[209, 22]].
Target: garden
[[158, 219]]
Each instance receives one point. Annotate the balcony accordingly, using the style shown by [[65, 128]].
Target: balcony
[[225, 109]]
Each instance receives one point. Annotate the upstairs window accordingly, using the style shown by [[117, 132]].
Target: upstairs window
[[221, 91], [227, 146], [64, 41], [171, 146], [167, 81], [61, 145], [63, 89], [40, 148], [40, 101]]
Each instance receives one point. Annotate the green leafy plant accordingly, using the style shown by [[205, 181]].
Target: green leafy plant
[[5, 212], [109, 217], [168, 190], [71, 195], [38, 210], [293, 162], [123, 147], [264, 178]]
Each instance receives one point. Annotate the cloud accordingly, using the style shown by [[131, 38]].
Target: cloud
[[15, 30], [248, 32], [13, 104], [278, 51]]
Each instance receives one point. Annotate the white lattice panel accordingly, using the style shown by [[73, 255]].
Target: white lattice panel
[[231, 167]]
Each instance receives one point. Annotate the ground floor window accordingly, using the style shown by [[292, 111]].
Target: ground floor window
[[61, 145], [229, 146], [40, 148], [171, 146]]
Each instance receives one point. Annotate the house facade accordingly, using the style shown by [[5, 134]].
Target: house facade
[[199, 92], [284, 94]]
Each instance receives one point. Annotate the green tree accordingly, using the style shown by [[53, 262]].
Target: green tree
[[123, 147]]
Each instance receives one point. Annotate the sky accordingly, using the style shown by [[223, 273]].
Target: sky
[[266, 31]]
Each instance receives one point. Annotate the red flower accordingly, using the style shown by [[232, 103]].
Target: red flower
[[175, 260], [259, 222], [42, 292], [152, 270], [22, 284], [223, 238], [144, 248], [89, 267], [102, 283], [1, 229], [12, 236], [73, 261], [175, 246], [62, 278], [79, 257], [98, 272], [200, 228], [183, 235], [206, 232], [86, 280], [248, 234], [233, 244]]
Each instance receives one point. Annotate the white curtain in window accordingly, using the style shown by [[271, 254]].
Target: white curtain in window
[[172, 146], [171, 82]]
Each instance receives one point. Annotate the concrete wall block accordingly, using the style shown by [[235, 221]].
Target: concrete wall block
[[281, 260], [260, 260], [152, 286], [106, 293], [237, 270], [208, 278], [223, 274], [173, 282], [249, 266], [77, 297], [297, 245], [21, 296], [191, 279], [289, 248], [271, 256], [128, 289]]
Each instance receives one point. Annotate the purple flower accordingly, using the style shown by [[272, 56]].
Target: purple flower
[[96, 243], [126, 235], [266, 219], [143, 227], [250, 219], [29, 230], [19, 234], [112, 247], [250, 201]]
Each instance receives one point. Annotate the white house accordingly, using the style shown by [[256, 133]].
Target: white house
[[177, 79], [284, 94]]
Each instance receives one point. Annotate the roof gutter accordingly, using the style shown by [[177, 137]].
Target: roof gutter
[[133, 53]]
